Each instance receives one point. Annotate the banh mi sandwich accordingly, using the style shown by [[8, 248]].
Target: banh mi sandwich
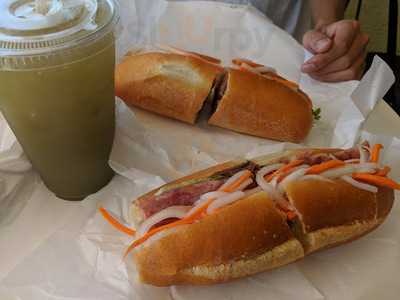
[[248, 216], [246, 97], [256, 101]]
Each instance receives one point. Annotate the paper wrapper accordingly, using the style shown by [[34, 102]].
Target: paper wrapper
[[52, 249]]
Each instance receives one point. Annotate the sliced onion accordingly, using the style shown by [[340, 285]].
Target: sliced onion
[[203, 199], [315, 177], [352, 161], [364, 156], [199, 203], [256, 190], [337, 172], [360, 185], [367, 167], [268, 188], [232, 179], [268, 169], [156, 237], [244, 185], [225, 200], [348, 169], [177, 212], [214, 194], [367, 148], [332, 156], [291, 177], [274, 181]]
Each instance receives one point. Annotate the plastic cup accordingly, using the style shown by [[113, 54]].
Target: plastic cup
[[57, 89]]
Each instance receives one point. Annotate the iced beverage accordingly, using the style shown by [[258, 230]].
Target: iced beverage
[[57, 89]]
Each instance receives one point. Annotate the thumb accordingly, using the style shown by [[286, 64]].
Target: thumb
[[316, 42]]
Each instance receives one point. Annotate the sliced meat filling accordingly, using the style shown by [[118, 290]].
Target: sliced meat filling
[[186, 195], [220, 89], [213, 97], [311, 158], [251, 166]]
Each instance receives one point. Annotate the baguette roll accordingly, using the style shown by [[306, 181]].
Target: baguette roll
[[247, 237], [334, 213], [263, 106], [168, 84]]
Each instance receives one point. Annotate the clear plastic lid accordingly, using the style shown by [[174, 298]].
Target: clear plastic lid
[[28, 29]]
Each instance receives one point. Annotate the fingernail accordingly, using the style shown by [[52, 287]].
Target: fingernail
[[322, 44], [308, 68]]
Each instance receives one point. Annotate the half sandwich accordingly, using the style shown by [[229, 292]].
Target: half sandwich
[[247, 98]]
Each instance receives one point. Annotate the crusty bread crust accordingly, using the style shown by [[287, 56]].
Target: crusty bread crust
[[322, 204], [256, 105], [385, 199], [335, 236], [289, 252], [168, 84], [215, 242], [334, 214]]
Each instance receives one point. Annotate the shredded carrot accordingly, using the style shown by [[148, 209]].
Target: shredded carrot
[[241, 179], [376, 180], [286, 168], [291, 215], [200, 211], [383, 172], [283, 175], [330, 164], [196, 215], [188, 220], [153, 232], [115, 222], [241, 61], [375, 152], [285, 207]]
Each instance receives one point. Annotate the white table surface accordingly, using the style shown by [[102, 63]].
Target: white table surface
[[39, 218]]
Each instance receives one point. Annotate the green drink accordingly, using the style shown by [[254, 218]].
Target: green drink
[[57, 89]]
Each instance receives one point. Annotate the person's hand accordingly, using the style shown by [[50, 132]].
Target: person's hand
[[339, 51]]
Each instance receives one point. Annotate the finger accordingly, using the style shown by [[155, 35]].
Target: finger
[[343, 34], [353, 73], [357, 49], [351, 25], [316, 42]]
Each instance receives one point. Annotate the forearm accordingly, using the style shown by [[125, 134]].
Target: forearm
[[326, 12]]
